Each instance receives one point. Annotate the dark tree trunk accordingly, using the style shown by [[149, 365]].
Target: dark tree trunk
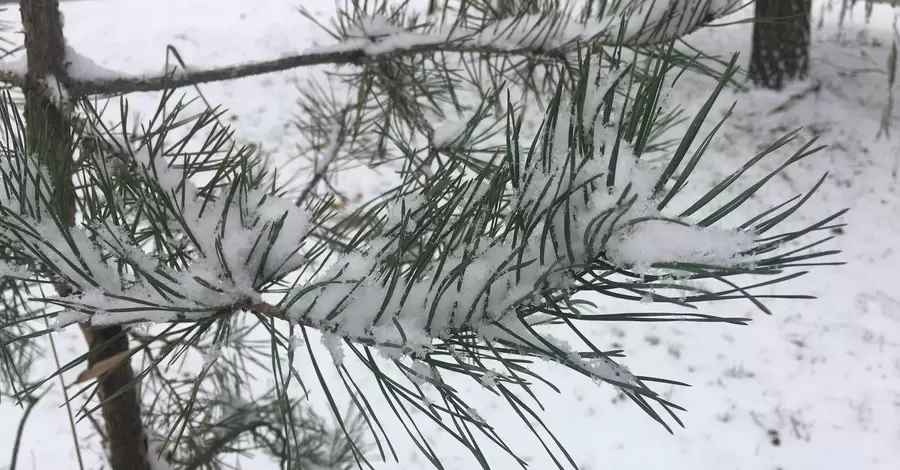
[[126, 440], [780, 42], [49, 136], [48, 133]]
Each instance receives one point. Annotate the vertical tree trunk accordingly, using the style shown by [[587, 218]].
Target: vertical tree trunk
[[49, 136], [780, 42]]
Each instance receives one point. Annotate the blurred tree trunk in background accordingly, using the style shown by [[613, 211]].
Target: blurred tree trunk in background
[[781, 35], [49, 137]]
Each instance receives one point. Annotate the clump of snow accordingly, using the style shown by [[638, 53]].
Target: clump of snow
[[335, 346], [81, 67], [56, 91], [648, 242], [296, 342]]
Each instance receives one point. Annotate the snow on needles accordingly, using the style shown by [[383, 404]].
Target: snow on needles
[[478, 289], [240, 246], [634, 23], [648, 242], [237, 247]]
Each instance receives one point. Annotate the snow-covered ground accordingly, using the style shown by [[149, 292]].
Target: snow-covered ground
[[815, 386]]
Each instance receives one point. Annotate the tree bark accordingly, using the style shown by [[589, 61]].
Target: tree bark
[[49, 136], [781, 36]]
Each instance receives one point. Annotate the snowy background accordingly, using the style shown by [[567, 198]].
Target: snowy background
[[815, 386]]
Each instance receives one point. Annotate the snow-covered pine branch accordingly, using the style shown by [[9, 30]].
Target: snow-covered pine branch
[[470, 269], [215, 245], [492, 256], [549, 35], [561, 219]]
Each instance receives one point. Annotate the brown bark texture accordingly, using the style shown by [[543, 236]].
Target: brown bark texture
[[781, 38], [49, 136]]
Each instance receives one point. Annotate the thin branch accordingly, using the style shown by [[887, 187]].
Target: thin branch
[[32, 402]]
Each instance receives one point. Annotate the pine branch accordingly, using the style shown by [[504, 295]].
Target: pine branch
[[469, 266], [526, 35]]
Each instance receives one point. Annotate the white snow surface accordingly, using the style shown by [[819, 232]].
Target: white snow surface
[[822, 375]]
